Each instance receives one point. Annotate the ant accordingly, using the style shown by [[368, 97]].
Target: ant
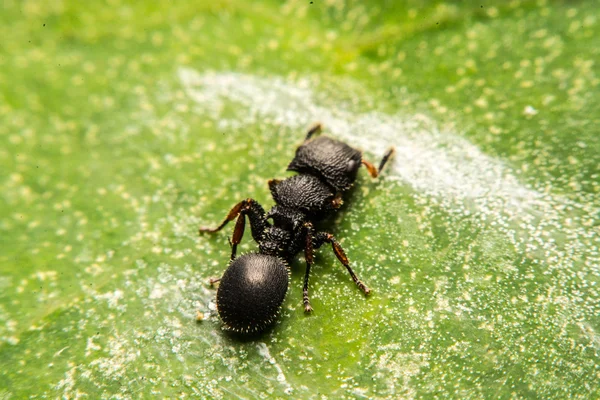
[[254, 285]]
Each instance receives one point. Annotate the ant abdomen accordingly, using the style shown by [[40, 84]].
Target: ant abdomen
[[251, 292]]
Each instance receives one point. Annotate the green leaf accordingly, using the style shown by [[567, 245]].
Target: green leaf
[[125, 126]]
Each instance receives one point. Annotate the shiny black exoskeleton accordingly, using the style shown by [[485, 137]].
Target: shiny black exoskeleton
[[254, 285]]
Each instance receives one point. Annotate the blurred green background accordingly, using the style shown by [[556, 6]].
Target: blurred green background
[[126, 125]]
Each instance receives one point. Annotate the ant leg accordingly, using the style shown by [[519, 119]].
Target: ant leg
[[256, 215], [212, 281], [388, 154], [315, 129], [234, 212], [238, 233], [375, 172], [324, 237], [308, 255]]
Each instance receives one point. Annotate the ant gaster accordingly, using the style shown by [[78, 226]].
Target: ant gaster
[[254, 285]]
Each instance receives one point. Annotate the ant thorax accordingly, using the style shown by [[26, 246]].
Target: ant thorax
[[275, 242], [286, 218]]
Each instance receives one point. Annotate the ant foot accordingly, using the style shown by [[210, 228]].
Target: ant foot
[[362, 287]]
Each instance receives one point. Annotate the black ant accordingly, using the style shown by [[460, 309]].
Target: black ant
[[254, 285]]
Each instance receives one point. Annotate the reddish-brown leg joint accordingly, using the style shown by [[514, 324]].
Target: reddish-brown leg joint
[[235, 210], [375, 172], [341, 255], [371, 168]]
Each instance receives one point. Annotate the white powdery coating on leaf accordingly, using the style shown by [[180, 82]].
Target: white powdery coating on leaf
[[112, 298], [551, 233], [263, 350], [120, 354], [435, 162], [397, 369]]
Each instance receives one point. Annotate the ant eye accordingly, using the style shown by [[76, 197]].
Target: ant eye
[[351, 165]]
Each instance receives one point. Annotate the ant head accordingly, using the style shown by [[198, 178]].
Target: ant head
[[251, 292]]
